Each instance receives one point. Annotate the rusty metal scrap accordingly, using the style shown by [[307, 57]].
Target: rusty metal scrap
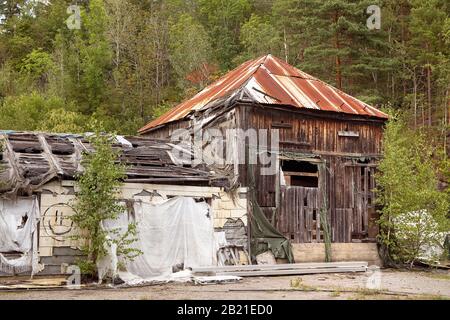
[[29, 160]]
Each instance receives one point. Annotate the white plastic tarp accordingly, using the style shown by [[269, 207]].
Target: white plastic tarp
[[178, 232], [18, 233]]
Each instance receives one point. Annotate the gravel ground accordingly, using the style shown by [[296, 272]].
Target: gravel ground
[[394, 285]]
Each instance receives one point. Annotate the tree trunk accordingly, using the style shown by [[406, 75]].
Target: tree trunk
[[338, 58], [429, 94], [415, 97], [285, 46]]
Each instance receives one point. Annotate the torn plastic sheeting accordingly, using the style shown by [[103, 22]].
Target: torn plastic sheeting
[[431, 237], [177, 232], [15, 235], [266, 237], [18, 233], [124, 142], [180, 277]]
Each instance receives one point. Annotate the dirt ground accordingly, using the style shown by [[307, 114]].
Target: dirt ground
[[394, 284]]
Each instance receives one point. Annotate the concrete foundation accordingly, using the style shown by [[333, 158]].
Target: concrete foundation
[[315, 252]]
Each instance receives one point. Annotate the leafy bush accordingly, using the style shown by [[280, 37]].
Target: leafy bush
[[414, 212], [31, 112]]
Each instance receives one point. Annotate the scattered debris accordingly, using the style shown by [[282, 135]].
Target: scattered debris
[[266, 258]]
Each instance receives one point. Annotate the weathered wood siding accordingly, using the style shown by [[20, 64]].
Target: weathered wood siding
[[164, 132], [347, 179], [307, 131]]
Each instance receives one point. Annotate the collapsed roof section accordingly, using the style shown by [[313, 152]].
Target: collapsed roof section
[[270, 81], [29, 160]]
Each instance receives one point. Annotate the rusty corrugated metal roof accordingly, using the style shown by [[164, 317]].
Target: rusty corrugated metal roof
[[269, 80]]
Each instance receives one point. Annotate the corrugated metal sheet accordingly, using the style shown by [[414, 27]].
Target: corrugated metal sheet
[[269, 80]]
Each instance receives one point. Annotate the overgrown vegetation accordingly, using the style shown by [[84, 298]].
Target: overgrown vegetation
[[414, 213], [97, 201], [132, 59]]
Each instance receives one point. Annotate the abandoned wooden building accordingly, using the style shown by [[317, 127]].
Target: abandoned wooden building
[[329, 145], [38, 192]]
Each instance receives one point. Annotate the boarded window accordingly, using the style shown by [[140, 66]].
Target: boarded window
[[300, 173]]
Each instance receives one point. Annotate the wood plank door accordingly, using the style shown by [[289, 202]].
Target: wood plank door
[[299, 216], [358, 213]]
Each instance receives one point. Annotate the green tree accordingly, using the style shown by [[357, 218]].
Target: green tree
[[330, 40], [63, 121], [97, 201], [190, 51], [95, 58], [29, 111], [427, 46], [223, 20], [414, 211], [259, 37], [36, 67]]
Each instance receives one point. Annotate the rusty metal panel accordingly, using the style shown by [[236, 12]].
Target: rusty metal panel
[[269, 80]]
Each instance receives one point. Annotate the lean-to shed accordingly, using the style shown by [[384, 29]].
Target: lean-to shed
[[38, 193]]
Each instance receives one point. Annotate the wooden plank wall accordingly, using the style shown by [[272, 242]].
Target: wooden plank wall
[[308, 133], [350, 197]]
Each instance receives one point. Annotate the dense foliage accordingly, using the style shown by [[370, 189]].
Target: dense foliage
[[133, 59], [414, 214]]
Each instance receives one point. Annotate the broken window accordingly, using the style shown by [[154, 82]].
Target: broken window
[[300, 173]]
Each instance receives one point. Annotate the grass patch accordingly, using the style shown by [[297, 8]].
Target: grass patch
[[335, 294], [297, 283], [430, 297], [439, 276]]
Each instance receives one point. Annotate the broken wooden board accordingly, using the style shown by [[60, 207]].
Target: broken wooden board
[[284, 269]]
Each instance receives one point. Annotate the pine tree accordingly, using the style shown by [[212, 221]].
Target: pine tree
[[332, 35], [223, 20]]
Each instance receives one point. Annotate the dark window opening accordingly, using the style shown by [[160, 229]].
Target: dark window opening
[[363, 161], [300, 173], [370, 191]]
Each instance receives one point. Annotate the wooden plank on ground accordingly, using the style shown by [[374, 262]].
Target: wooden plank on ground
[[287, 266], [291, 272]]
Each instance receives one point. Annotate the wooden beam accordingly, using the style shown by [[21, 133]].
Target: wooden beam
[[304, 174], [285, 266], [347, 154], [291, 272], [49, 155], [281, 125], [11, 157]]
